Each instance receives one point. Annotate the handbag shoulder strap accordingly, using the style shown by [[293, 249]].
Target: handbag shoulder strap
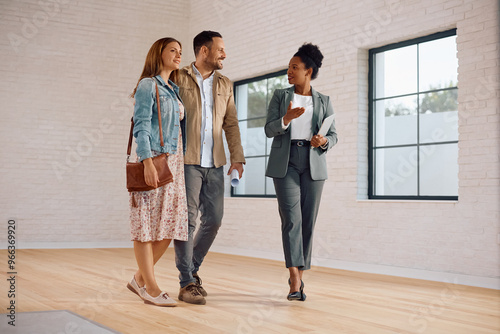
[[159, 113], [129, 146]]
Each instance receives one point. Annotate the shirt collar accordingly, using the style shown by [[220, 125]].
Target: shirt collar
[[198, 74]]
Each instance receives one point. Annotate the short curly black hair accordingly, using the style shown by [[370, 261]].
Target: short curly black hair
[[311, 57]]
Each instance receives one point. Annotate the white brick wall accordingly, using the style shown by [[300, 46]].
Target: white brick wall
[[65, 110]]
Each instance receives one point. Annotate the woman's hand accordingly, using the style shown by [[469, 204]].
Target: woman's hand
[[150, 173], [292, 113], [318, 140]]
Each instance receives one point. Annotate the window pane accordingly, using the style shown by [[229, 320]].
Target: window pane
[[438, 64], [257, 97], [257, 123], [396, 171], [275, 83], [253, 139], [396, 72], [439, 170], [241, 99], [252, 182], [439, 116], [396, 121], [251, 99]]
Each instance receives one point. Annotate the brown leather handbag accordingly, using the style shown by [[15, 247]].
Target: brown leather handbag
[[135, 170]]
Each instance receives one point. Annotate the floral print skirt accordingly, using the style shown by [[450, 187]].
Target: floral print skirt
[[161, 213]]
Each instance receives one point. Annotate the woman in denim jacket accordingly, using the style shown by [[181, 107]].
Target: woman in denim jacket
[[159, 215]]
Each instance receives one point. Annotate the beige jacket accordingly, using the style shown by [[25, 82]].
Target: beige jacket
[[224, 118]]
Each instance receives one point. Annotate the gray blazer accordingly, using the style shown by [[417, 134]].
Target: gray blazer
[[280, 148]]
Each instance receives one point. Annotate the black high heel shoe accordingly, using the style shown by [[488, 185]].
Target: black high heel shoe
[[294, 296], [297, 295], [302, 293]]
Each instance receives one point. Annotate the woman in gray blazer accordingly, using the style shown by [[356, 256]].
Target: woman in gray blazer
[[297, 161]]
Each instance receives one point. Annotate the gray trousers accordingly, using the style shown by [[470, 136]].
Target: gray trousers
[[205, 193], [298, 200]]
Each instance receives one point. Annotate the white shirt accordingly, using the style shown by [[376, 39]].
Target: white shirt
[[302, 125], [207, 101]]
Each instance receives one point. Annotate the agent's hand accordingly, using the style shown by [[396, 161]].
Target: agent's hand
[[318, 140], [150, 173], [292, 113], [238, 166]]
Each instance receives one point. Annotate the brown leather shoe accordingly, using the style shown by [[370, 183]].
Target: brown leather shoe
[[198, 284], [190, 294]]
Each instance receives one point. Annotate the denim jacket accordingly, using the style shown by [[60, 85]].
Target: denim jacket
[[146, 130]]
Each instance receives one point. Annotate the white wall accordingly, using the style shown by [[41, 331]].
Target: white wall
[[65, 113]]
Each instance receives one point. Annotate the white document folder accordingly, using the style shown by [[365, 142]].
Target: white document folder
[[327, 122]]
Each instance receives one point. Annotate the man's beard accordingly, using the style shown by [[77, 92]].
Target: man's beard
[[216, 65]]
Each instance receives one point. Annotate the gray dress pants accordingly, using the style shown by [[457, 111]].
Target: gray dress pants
[[298, 200], [204, 192]]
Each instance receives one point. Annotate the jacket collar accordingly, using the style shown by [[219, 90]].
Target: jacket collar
[[162, 82], [189, 69], [314, 92]]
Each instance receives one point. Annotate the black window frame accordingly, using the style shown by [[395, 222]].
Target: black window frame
[[371, 119], [246, 81]]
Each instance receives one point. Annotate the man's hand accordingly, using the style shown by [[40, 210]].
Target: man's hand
[[238, 166]]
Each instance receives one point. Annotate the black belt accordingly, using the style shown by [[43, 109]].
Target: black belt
[[301, 143]]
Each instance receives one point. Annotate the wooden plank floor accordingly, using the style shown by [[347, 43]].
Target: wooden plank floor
[[246, 295]]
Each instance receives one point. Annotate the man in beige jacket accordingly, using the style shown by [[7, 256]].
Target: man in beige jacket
[[209, 105]]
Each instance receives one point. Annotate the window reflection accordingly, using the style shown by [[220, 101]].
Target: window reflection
[[257, 96], [438, 64], [396, 121], [396, 72]]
